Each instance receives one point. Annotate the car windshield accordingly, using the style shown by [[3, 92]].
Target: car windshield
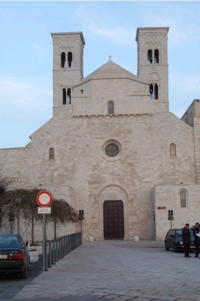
[[179, 232], [9, 241]]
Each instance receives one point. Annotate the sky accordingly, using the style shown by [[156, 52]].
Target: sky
[[109, 28]]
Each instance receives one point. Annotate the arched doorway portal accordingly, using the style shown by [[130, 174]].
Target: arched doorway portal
[[113, 204], [113, 219]]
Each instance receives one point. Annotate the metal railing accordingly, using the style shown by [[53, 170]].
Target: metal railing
[[57, 249]]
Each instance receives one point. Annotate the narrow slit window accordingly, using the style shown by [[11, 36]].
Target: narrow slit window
[[68, 96], [156, 91], [51, 153], [172, 149], [110, 107], [156, 56], [63, 60], [183, 199], [69, 57], [64, 97], [149, 56]]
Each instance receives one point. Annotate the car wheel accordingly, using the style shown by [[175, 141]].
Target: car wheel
[[23, 274], [175, 248], [166, 247]]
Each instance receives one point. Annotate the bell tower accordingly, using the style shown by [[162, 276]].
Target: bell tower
[[153, 61], [67, 66]]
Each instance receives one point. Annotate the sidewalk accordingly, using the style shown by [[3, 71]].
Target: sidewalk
[[119, 271]]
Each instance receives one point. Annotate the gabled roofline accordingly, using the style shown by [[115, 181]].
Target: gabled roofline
[[69, 33], [123, 77], [149, 28], [89, 77]]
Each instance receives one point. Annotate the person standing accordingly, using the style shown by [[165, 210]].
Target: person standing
[[186, 239], [196, 239]]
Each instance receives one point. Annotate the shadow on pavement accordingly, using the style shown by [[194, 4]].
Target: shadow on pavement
[[11, 284]]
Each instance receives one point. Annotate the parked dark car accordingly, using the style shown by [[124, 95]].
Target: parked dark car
[[173, 240], [14, 255]]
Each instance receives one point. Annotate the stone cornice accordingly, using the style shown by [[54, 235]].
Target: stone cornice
[[111, 116]]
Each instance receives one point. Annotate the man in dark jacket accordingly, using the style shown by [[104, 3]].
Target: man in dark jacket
[[186, 239], [196, 239]]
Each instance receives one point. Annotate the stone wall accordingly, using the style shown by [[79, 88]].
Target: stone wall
[[81, 170], [168, 198], [25, 229]]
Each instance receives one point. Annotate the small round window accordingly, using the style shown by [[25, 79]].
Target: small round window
[[112, 150]]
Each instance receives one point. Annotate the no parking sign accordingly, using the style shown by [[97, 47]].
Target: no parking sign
[[44, 199]]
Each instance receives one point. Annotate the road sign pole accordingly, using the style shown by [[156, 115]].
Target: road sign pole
[[44, 242], [44, 200]]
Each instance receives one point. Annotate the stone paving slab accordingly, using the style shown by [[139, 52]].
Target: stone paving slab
[[118, 271]]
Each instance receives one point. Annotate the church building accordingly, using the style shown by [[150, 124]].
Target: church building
[[112, 148]]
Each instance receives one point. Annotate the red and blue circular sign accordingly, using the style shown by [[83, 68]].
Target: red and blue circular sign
[[44, 199]]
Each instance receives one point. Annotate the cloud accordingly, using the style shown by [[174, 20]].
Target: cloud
[[187, 83], [180, 28], [183, 90], [95, 25], [39, 49], [20, 100], [120, 34]]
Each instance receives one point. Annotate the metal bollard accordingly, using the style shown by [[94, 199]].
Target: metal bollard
[[68, 249], [65, 245], [62, 246], [59, 256], [46, 256], [70, 243], [53, 252], [50, 256], [56, 251]]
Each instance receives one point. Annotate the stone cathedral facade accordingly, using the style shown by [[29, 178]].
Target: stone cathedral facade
[[112, 148]]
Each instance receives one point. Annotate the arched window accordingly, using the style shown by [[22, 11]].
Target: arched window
[[153, 90], [69, 59], [68, 96], [183, 199], [110, 107], [156, 56], [172, 149], [51, 153], [63, 59], [149, 56], [64, 97], [156, 91]]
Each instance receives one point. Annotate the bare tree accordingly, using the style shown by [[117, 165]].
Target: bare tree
[[19, 202], [4, 183], [61, 213], [22, 203]]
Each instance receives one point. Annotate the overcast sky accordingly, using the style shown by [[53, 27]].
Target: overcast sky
[[109, 28]]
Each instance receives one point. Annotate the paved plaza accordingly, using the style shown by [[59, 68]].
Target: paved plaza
[[114, 270]]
